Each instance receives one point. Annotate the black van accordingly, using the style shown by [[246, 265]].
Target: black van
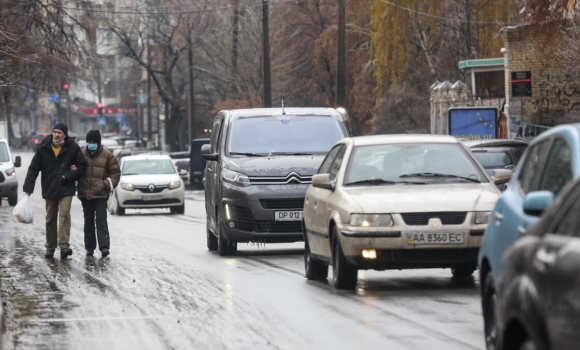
[[196, 163], [260, 163]]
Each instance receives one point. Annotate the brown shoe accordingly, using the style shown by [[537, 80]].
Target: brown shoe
[[49, 253]]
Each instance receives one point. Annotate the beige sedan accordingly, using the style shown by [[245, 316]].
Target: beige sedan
[[397, 202]]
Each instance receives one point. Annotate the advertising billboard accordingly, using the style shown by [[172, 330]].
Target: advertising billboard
[[473, 123]]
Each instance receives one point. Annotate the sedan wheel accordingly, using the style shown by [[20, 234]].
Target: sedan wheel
[[462, 271], [344, 274], [490, 313], [314, 269], [12, 201]]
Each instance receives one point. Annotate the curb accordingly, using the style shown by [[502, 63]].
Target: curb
[[1, 319]]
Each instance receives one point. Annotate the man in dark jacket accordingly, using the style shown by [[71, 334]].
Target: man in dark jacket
[[54, 158]]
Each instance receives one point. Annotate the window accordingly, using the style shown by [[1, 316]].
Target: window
[[327, 163], [149, 166], [559, 167], [4, 153], [531, 167], [570, 223], [337, 163]]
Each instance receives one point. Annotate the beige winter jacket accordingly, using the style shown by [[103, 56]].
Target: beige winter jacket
[[94, 184]]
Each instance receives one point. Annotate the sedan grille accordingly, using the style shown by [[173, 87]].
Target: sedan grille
[[145, 189], [292, 178], [422, 219], [288, 203]]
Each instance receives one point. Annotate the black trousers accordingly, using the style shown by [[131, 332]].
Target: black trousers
[[95, 211]]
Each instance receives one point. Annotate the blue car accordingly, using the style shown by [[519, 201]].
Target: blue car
[[550, 161]]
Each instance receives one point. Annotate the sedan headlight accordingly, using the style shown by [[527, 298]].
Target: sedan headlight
[[235, 178], [175, 184], [482, 217], [128, 187], [11, 172], [371, 220]]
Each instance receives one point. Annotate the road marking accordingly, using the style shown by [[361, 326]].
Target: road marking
[[41, 320]]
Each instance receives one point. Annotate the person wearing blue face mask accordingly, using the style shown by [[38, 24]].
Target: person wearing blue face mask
[[93, 191]]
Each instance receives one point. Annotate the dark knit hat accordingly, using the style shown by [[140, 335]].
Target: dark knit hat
[[94, 136], [62, 127]]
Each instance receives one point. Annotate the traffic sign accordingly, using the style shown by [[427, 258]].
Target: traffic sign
[[102, 121], [125, 126], [142, 100], [120, 118], [53, 98]]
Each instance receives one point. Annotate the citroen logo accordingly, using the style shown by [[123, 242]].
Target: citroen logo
[[151, 187]]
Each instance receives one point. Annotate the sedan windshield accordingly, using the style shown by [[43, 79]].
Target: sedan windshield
[[493, 159], [285, 135], [148, 166], [412, 164]]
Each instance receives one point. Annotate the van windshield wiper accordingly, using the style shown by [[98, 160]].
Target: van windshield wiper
[[249, 154], [382, 181], [440, 175], [292, 153]]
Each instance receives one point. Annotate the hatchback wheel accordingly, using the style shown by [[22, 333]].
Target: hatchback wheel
[[490, 313], [344, 274], [12, 201], [314, 269], [120, 211]]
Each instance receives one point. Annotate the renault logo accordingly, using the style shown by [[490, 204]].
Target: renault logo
[[151, 187]]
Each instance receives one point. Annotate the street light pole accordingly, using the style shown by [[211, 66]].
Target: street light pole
[[266, 55], [190, 104]]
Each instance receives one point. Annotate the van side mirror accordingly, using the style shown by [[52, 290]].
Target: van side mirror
[[322, 181], [17, 162], [501, 176], [207, 152], [536, 202]]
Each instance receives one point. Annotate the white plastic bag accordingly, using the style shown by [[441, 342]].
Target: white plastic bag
[[23, 210], [112, 201]]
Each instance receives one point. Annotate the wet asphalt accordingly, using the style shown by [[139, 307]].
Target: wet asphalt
[[162, 289]]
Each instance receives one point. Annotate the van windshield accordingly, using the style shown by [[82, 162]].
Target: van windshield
[[4, 153], [283, 135]]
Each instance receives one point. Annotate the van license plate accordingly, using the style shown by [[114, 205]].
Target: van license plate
[[434, 238], [294, 215]]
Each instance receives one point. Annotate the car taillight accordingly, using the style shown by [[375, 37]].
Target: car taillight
[[36, 142]]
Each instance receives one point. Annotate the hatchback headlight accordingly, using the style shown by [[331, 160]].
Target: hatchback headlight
[[128, 187], [235, 178], [482, 217], [11, 172], [371, 220], [175, 184]]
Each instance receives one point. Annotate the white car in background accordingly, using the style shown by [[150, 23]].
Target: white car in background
[[397, 202], [150, 181]]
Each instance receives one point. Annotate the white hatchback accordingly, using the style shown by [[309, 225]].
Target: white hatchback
[[150, 181], [397, 202]]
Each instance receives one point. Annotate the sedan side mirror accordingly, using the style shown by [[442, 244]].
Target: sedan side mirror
[[207, 152], [322, 181], [536, 202], [182, 172], [501, 176], [510, 167], [17, 162]]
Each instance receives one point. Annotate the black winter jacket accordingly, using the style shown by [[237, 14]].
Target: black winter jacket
[[53, 168]]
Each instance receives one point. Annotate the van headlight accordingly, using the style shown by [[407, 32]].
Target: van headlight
[[128, 187], [11, 172], [235, 178], [482, 217], [175, 184], [371, 220]]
